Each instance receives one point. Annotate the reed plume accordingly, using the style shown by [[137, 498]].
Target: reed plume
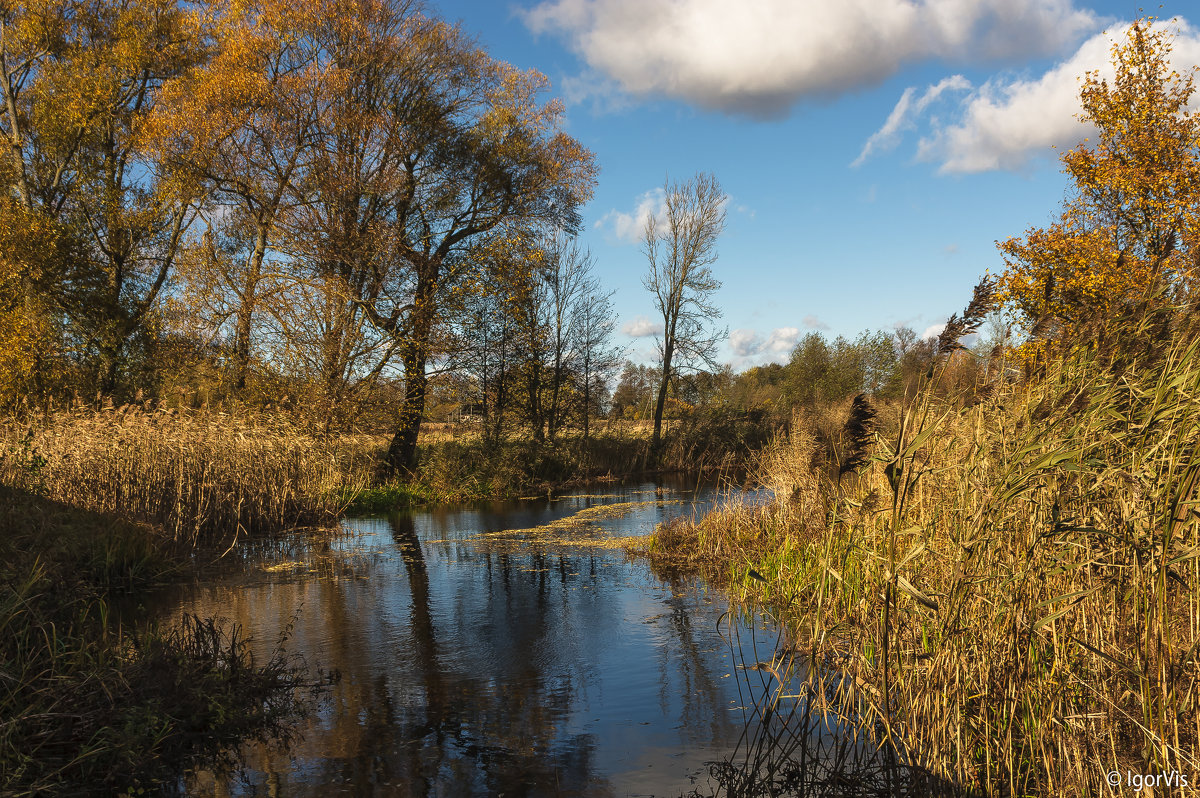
[[859, 434], [983, 301]]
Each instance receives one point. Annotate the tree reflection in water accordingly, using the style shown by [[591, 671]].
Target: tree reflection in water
[[471, 669]]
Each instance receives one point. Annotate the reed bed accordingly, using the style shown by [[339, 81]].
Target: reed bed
[[793, 742], [94, 711], [200, 476], [89, 707], [1005, 590]]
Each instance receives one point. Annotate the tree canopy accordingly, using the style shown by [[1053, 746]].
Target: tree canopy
[[317, 174], [1129, 229]]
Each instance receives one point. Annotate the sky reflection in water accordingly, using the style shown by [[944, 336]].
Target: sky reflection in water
[[472, 666]]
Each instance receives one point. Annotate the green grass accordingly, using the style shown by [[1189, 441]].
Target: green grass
[[384, 498]]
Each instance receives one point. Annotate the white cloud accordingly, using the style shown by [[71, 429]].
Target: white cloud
[[903, 116], [751, 349], [760, 57], [605, 94], [642, 327], [1006, 123], [628, 227], [933, 331], [813, 323], [782, 341], [744, 343]]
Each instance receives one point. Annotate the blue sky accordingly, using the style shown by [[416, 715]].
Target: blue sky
[[873, 151]]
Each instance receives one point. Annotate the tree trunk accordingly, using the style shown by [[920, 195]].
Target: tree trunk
[[587, 398], [245, 314], [552, 415], [402, 451], [662, 400], [110, 364], [241, 348], [536, 417]]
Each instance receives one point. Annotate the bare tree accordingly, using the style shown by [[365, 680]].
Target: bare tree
[[681, 247], [597, 357], [567, 271]]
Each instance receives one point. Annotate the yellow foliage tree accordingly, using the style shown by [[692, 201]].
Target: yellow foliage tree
[[76, 80], [1131, 229], [29, 244]]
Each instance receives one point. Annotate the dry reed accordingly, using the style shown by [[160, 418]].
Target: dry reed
[[1008, 593], [200, 476]]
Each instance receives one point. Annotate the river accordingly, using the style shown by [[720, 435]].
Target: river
[[507, 649]]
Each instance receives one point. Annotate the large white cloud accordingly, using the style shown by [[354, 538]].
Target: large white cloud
[[759, 57], [1007, 122]]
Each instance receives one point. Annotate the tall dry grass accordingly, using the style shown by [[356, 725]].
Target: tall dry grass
[[1008, 592], [201, 476]]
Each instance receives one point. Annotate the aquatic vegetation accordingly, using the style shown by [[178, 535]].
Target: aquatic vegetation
[[1010, 584], [581, 528], [91, 707], [794, 740]]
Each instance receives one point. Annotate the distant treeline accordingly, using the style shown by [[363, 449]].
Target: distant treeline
[[820, 373]]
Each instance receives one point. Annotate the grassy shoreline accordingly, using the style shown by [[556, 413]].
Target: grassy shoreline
[[95, 505], [462, 468], [1009, 584], [89, 707]]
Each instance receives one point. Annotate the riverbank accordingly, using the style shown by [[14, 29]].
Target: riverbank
[[456, 465], [89, 707], [95, 507], [1006, 581], [203, 474], [99, 503], [200, 477]]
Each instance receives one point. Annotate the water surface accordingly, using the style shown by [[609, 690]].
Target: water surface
[[478, 659]]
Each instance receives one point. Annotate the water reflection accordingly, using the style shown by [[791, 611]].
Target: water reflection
[[480, 666]]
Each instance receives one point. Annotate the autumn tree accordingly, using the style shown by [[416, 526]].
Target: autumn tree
[[485, 324], [1129, 229], [509, 328], [634, 391], [823, 372], [597, 357], [242, 125], [34, 247], [534, 332], [78, 80], [564, 271], [565, 324], [531, 308], [36, 256], [681, 249], [424, 144]]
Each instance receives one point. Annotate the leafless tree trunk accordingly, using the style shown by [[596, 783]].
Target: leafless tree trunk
[[681, 248]]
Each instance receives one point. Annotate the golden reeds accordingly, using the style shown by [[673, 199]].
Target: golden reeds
[[1008, 593], [198, 475]]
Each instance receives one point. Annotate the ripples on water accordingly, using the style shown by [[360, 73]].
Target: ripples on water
[[479, 661]]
